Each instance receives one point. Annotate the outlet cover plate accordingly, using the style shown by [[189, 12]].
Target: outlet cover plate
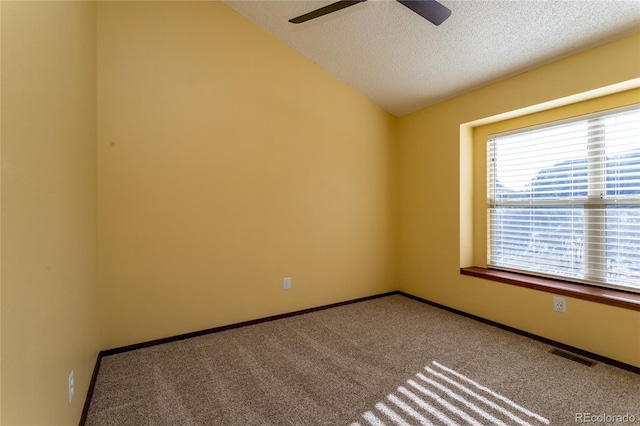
[[560, 304], [71, 387]]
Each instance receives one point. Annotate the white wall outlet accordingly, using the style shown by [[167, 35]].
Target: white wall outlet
[[71, 386], [286, 283], [559, 304]]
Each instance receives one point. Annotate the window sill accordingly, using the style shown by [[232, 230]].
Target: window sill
[[605, 296]]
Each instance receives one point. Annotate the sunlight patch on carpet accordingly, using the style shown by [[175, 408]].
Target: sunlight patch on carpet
[[445, 396]]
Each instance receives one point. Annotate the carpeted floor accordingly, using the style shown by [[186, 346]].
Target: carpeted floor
[[387, 361]]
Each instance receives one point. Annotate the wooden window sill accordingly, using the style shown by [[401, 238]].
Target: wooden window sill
[[606, 296]]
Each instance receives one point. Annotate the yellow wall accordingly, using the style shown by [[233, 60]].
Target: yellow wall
[[435, 165], [227, 161], [49, 209]]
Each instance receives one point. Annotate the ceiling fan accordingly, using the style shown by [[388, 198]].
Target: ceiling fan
[[430, 10]]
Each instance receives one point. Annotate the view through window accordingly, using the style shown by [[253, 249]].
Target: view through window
[[564, 199]]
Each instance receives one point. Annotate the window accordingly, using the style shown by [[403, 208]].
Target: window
[[564, 199]]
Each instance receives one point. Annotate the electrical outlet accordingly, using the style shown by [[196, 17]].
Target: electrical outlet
[[286, 283], [71, 386], [560, 304]]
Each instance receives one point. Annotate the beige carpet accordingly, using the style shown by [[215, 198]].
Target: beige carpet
[[387, 361]]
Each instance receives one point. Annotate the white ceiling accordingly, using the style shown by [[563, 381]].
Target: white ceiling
[[404, 63]]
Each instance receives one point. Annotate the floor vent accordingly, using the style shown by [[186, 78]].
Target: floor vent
[[573, 357]]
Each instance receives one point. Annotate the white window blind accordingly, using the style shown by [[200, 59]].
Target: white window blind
[[564, 199]]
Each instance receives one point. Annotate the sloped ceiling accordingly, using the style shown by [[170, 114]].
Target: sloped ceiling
[[404, 63]]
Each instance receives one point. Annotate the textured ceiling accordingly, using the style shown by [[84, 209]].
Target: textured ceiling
[[404, 63]]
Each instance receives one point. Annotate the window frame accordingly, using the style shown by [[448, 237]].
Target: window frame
[[594, 229], [473, 213]]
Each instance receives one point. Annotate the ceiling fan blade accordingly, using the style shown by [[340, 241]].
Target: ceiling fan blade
[[333, 7], [430, 10]]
